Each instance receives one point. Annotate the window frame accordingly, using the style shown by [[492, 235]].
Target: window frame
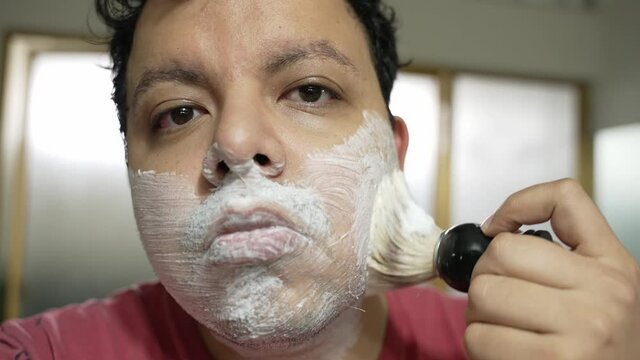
[[20, 50], [445, 77]]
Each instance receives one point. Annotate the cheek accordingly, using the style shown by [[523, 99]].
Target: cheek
[[337, 184], [346, 178], [162, 203], [171, 155]]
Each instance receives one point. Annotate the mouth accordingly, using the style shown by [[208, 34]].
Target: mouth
[[253, 236]]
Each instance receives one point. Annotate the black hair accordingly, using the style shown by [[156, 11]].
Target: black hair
[[121, 16]]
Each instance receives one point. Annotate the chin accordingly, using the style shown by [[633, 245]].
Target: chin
[[309, 340], [259, 311], [279, 339]]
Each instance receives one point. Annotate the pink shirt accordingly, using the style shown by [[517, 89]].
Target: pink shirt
[[145, 323]]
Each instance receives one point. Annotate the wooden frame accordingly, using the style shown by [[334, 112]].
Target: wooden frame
[[20, 49]]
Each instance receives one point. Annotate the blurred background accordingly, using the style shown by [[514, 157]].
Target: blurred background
[[499, 95]]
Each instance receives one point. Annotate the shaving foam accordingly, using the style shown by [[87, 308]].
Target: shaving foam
[[304, 299]]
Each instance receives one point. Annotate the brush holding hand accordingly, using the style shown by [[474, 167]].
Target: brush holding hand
[[528, 298]]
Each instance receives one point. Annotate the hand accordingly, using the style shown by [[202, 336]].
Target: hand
[[533, 299]]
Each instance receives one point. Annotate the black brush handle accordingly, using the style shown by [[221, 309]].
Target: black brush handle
[[459, 249]]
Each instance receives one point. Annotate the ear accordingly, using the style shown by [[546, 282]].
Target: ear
[[401, 138]]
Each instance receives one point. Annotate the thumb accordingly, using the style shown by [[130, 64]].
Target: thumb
[[574, 217]]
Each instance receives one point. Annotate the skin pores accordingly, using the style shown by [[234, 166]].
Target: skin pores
[[268, 265]]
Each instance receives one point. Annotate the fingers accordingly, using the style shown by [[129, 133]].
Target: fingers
[[497, 342], [532, 259], [510, 318], [574, 217], [534, 296], [530, 298], [501, 300]]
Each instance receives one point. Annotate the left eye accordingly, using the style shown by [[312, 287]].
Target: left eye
[[178, 116], [312, 94]]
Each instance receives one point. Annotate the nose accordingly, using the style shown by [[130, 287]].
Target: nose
[[245, 140]]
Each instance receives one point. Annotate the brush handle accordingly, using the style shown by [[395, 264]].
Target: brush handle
[[459, 249]]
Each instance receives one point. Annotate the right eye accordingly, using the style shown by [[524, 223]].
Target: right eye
[[177, 116]]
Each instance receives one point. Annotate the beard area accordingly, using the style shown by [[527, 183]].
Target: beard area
[[270, 266]]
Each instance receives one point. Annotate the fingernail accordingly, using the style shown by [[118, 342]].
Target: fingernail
[[485, 224]]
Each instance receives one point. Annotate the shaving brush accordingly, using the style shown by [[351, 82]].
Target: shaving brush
[[408, 248]]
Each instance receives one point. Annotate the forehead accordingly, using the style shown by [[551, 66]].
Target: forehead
[[230, 34]]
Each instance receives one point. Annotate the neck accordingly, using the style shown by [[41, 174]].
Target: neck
[[357, 333]]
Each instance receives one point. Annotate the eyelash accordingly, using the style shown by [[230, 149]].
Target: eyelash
[[196, 112], [325, 91], [199, 111]]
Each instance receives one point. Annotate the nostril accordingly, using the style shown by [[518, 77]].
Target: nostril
[[261, 160], [222, 168]]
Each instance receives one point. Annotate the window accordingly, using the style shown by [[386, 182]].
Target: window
[[68, 225], [477, 138], [415, 98], [508, 134], [616, 181]]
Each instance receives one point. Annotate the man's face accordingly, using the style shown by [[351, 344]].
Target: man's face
[[257, 128]]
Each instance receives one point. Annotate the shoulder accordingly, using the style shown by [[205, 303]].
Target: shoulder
[[101, 329], [424, 323]]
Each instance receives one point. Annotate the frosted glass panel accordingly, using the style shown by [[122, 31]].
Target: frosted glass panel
[[507, 135], [81, 236], [617, 181], [415, 99]]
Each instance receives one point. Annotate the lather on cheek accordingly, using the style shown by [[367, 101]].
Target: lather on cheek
[[324, 271], [347, 177]]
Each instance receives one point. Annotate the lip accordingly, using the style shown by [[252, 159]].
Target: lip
[[251, 219], [253, 236]]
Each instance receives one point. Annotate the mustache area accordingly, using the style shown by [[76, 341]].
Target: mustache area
[[255, 218]]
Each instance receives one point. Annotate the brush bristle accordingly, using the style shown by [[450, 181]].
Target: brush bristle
[[403, 237]]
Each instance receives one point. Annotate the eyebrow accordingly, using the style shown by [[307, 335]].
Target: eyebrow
[[323, 49], [184, 75], [278, 61]]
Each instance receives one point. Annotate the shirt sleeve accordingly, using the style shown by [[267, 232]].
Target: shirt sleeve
[[423, 324], [24, 340]]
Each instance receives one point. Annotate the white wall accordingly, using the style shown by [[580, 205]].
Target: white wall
[[618, 83], [66, 17], [498, 36], [598, 46]]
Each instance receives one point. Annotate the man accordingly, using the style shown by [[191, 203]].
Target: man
[[256, 134]]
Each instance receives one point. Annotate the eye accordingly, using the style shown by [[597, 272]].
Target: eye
[[312, 94], [177, 116]]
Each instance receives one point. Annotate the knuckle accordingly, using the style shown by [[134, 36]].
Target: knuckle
[[555, 350], [511, 202], [624, 293], [561, 351], [634, 274], [564, 352], [473, 337], [574, 349], [478, 290], [469, 314], [499, 245], [569, 187], [620, 287], [599, 326]]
